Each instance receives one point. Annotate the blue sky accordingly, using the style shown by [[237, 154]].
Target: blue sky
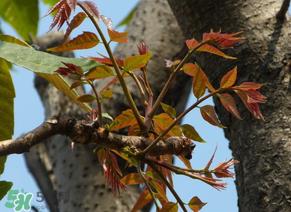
[[29, 113]]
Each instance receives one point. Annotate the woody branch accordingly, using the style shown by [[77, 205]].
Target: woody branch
[[85, 133]]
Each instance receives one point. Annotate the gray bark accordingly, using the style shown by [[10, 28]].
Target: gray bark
[[263, 176], [71, 180]]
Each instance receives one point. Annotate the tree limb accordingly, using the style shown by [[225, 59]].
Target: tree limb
[[80, 131], [281, 15]]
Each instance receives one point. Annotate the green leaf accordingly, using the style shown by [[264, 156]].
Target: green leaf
[[21, 15], [136, 61], [2, 164], [45, 65], [169, 110], [190, 132], [50, 2], [7, 95], [99, 72], [125, 21], [86, 98], [170, 207], [5, 186]]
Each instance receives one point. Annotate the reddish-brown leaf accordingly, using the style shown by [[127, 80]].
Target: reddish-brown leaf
[[245, 86], [119, 37], [213, 50], [191, 43], [107, 61], [229, 78], [91, 7], [229, 104], [196, 204], [63, 11], [208, 113], [144, 199], [84, 41], [223, 40], [76, 21]]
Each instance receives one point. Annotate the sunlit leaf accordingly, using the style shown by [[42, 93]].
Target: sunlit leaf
[[208, 113], [144, 199], [86, 98], [229, 78], [192, 44], [229, 104], [169, 207], [136, 61], [5, 186], [190, 132], [125, 119], [223, 40], [132, 179], [23, 17], [84, 41], [162, 122], [169, 110], [99, 72], [76, 21], [11, 39], [196, 204], [193, 70], [119, 37], [45, 65]]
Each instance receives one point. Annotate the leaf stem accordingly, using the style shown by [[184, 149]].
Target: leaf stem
[[116, 68], [98, 102]]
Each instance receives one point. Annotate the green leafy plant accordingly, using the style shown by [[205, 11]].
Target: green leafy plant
[[152, 140]]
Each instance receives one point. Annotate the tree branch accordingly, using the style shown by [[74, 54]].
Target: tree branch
[[281, 15], [80, 131]]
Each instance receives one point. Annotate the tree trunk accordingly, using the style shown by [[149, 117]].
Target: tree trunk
[[71, 179], [263, 176]]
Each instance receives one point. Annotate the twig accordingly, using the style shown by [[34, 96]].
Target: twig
[[169, 186], [149, 187], [87, 133], [281, 15], [177, 120], [98, 103], [117, 69]]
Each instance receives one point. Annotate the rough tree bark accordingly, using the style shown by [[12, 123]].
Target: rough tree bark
[[71, 180], [263, 176]]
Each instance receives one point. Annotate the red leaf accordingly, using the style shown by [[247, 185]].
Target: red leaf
[[208, 113], [107, 61], [245, 86], [91, 7], [229, 104], [63, 11], [119, 37], [223, 40], [192, 44], [229, 78], [76, 21], [84, 41]]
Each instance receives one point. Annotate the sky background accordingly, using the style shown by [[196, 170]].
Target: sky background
[[29, 113]]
